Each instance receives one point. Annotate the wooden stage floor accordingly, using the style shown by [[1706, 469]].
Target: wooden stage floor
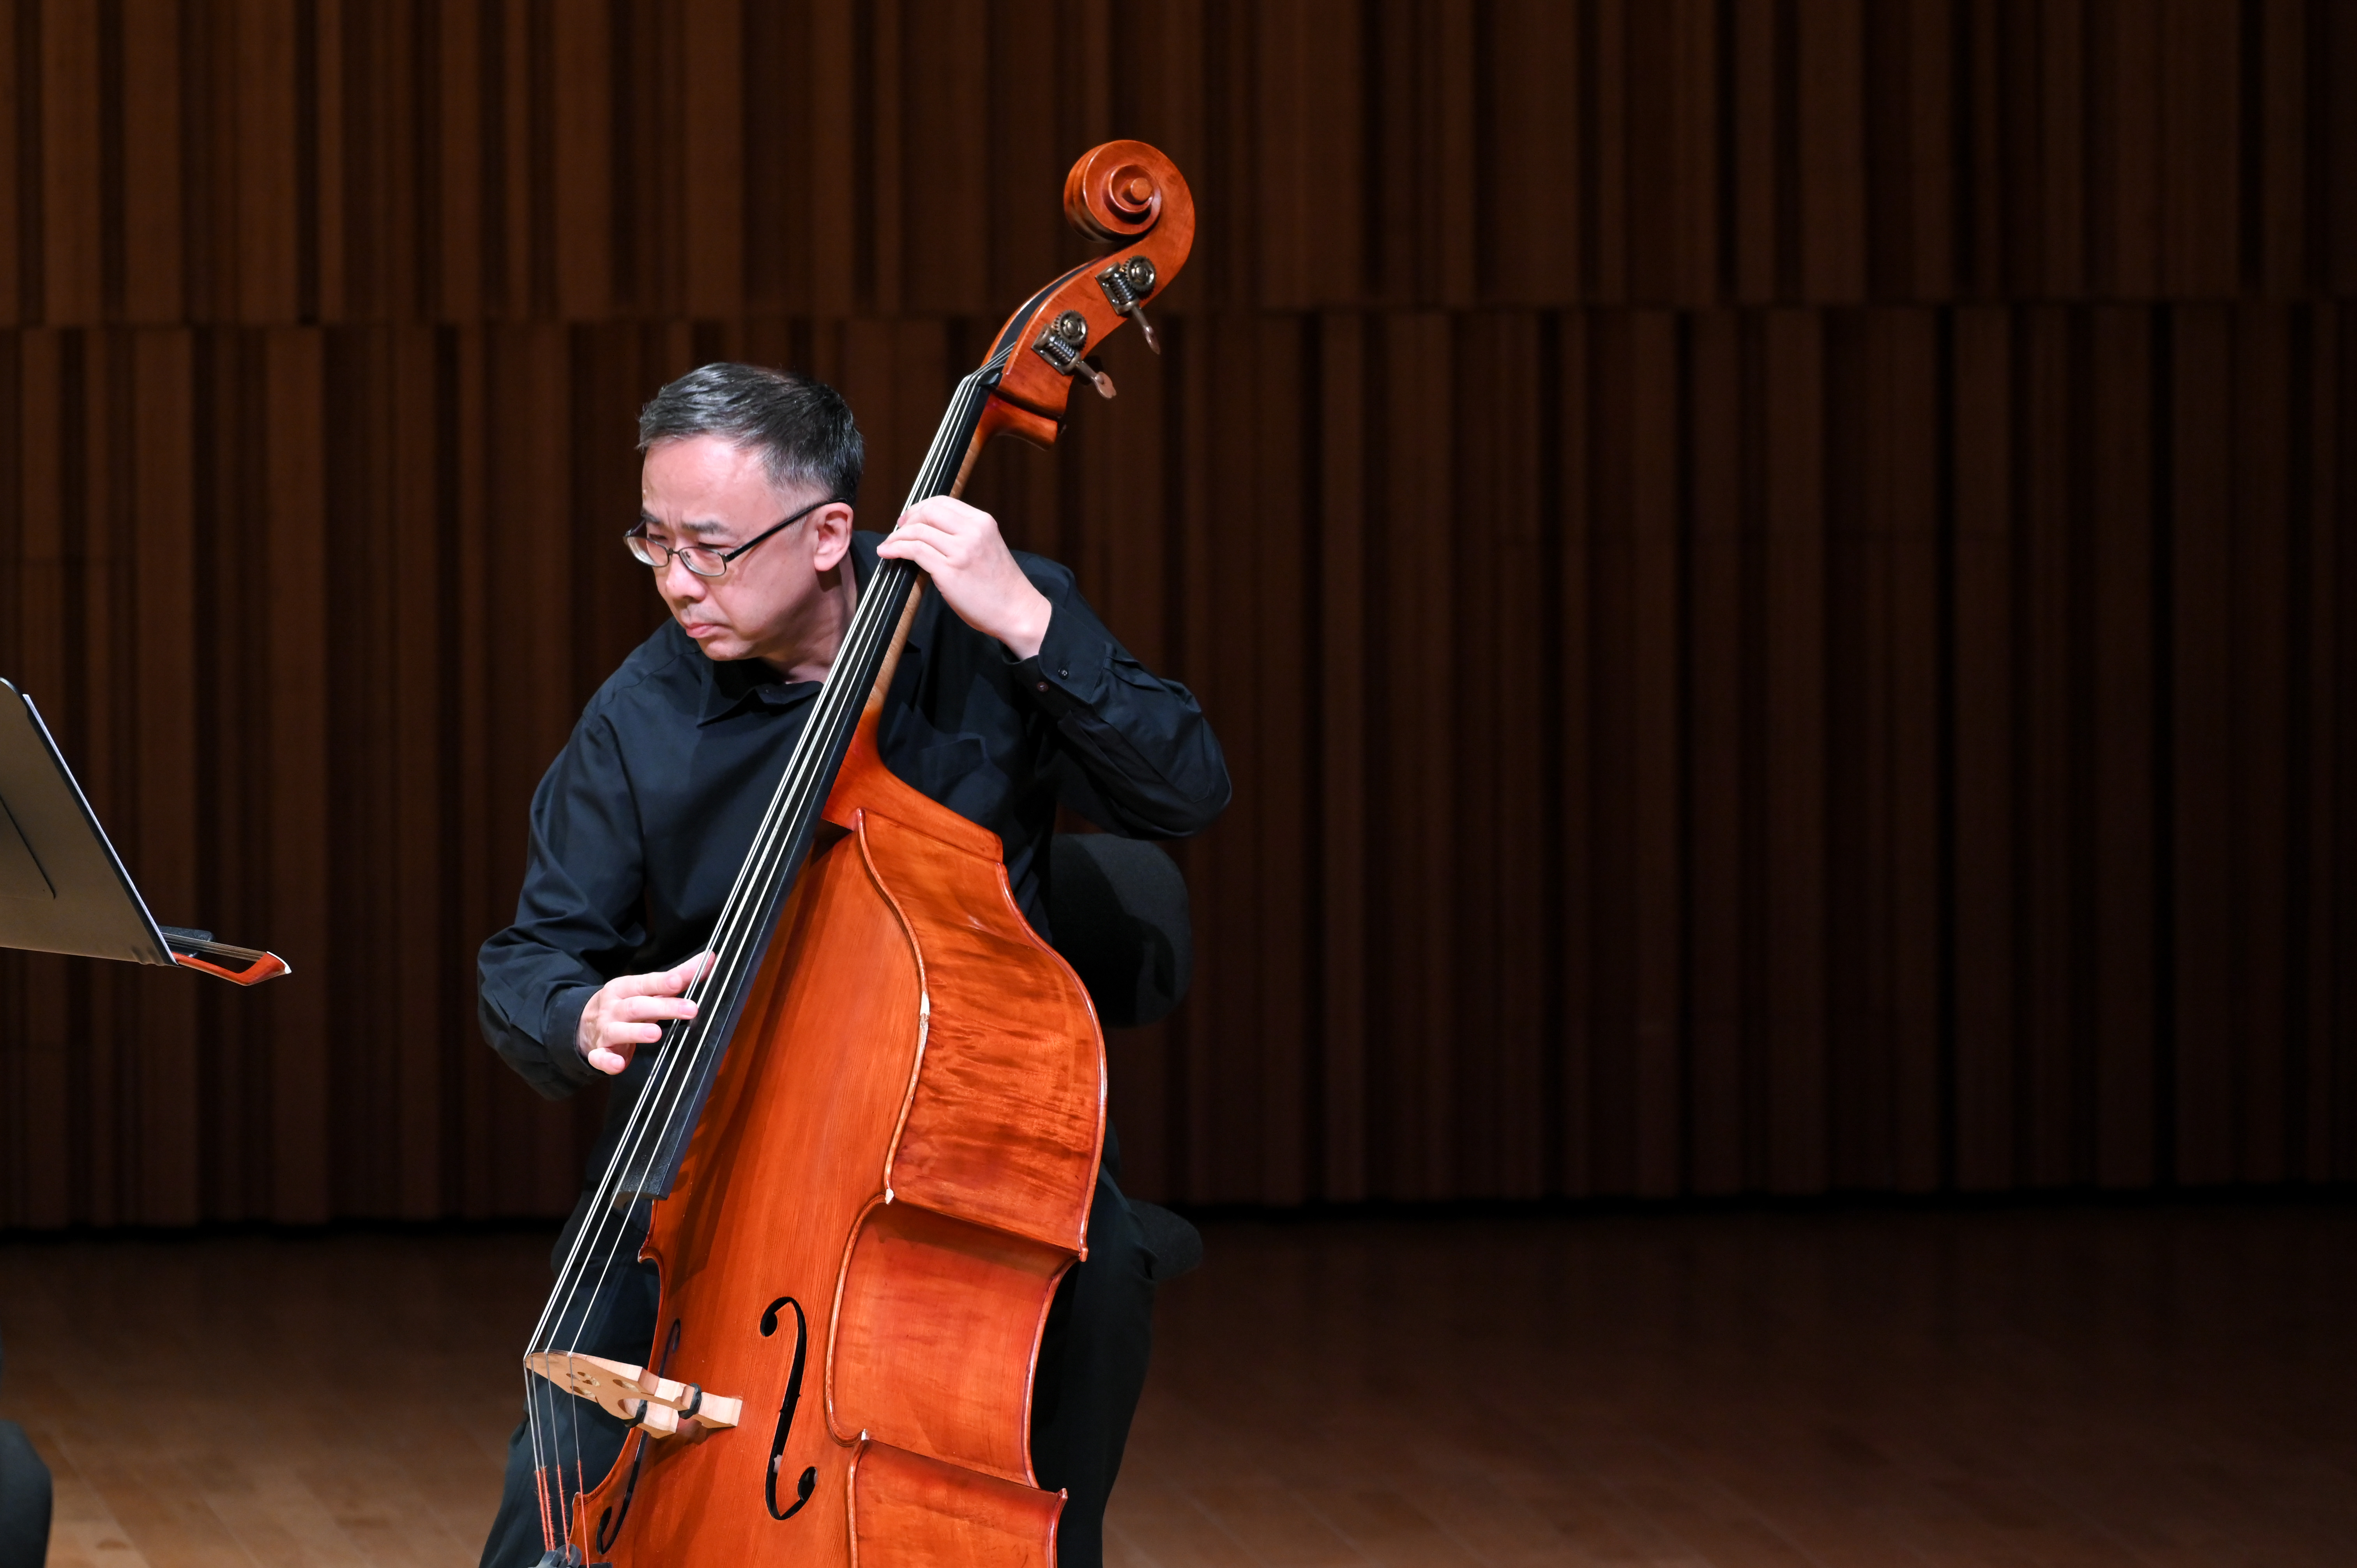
[[2151, 1386]]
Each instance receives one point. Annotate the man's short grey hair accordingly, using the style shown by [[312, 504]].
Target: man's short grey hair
[[799, 426]]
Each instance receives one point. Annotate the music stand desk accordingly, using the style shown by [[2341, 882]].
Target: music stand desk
[[64, 888]]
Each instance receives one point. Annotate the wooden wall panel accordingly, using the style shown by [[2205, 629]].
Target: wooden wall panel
[[1772, 574], [2122, 784]]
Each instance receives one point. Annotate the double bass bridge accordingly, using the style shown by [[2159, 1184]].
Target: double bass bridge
[[657, 1403]]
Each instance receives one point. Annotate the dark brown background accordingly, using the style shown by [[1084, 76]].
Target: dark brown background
[[1771, 571]]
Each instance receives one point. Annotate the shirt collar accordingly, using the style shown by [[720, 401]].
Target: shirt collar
[[735, 683]]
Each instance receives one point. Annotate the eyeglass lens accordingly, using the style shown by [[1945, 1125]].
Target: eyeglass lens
[[696, 558]]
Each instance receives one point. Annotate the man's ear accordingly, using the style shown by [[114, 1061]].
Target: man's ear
[[832, 525]]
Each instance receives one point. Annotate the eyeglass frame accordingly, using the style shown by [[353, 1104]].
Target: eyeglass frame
[[637, 537]]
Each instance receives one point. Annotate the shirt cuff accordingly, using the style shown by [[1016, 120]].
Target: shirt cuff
[[1068, 674], [560, 1035]]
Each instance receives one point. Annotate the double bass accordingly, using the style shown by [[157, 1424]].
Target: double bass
[[865, 1164]]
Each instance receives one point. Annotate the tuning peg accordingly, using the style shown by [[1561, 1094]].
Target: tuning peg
[[1097, 378], [1125, 286]]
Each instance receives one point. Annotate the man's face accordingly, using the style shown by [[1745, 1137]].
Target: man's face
[[773, 601]]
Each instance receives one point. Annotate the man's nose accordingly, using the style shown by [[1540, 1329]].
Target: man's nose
[[677, 581]]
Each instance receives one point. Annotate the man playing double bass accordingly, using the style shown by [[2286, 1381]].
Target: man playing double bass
[[1011, 699]]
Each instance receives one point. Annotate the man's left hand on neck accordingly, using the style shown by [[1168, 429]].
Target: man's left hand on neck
[[959, 548]]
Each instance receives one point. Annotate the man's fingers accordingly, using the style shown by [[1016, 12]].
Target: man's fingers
[[662, 982], [919, 552], [971, 530], [908, 540], [944, 512], [643, 1009]]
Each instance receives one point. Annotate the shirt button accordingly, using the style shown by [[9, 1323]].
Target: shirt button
[[1043, 685], [1065, 674]]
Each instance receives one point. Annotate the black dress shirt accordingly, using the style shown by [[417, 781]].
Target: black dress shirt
[[641, 824]]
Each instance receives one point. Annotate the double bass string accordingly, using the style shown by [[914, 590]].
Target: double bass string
[[755, 896]]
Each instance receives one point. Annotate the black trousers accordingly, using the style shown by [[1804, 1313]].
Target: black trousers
[[1092, 1356]]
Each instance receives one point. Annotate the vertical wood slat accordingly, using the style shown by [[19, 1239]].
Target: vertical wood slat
[[1499, 459], [153, 198], [1529, 240], [94, 552], [1905, 509], [712, 139], [1985, 895], [1576, 764], [1186, 570], [1752, 108], [2260, 590], [2121, 632], [1346, 714], [1655, 1088], [2322, 1043], [264, 76], [1717, 917], [2329, 1000], [292, 766], [17, 1042], [2125, 249], [1277, 667], [2057, 193], [2201, 134], [1674, 154], [20, 201], [1882, 782], [73, 265], [55, 1189], [1830, 107], [161, 525], [2201, 640], [1418, 664], [1792, 627], [2050, 725]]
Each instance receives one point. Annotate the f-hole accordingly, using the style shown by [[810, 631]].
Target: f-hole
[[609, 1523], [803, 1487]]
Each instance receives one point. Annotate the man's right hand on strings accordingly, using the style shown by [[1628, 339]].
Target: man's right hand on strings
[[629, 1011]]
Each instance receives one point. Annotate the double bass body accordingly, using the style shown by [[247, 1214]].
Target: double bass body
[[892, 1174]]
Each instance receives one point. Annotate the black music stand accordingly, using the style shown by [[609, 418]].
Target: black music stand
[[62, 888]]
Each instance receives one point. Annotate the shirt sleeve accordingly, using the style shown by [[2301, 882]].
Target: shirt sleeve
[[1134, 753], [579, 918]]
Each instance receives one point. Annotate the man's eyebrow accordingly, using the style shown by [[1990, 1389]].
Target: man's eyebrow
[[647, 519]]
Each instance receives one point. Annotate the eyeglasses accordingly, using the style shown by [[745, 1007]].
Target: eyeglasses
[[702, 559]]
